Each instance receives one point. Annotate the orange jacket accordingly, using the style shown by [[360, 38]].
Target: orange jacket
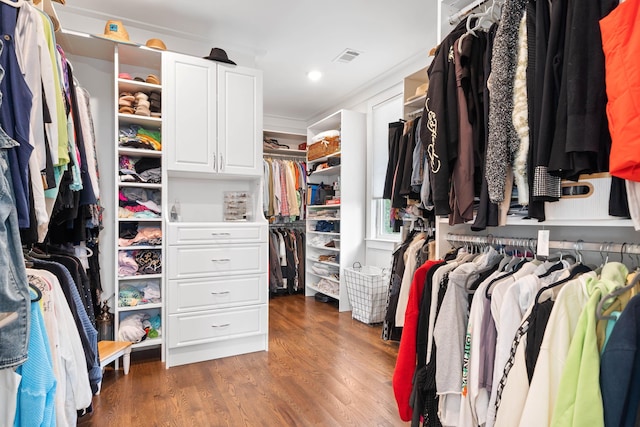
[[621, 45]]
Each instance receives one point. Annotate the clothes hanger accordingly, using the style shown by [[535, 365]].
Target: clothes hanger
[[578, 268], [489, 16], [35, 289], [615, 294]]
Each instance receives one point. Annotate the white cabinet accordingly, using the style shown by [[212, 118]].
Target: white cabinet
[[190, 102], [335, 232], [239, 120], [216, 116], [218, 291]]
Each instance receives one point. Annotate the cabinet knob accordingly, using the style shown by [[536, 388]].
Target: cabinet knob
[[215, 162], [224, 325], [221, 163], [221, 293], [221, 234], [221, 260]]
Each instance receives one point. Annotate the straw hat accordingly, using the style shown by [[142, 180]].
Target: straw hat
[[114, 30], [420, 91], [156, 44]]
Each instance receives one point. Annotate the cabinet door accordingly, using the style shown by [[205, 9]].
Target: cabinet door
[[239, 120], [189, 110]]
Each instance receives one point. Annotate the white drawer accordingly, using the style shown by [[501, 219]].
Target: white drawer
[[197, 261], [198, 328], [189, 295], [180, 234]]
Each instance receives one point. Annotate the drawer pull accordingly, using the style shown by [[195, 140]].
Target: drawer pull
[[224, 325], [221, 234], [221, 293], [221, 260]]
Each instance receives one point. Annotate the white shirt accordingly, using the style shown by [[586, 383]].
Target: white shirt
[[561, 326]]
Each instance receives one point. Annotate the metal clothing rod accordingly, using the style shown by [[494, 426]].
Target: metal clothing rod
[[286, 156], [456, 17], [531, 243]]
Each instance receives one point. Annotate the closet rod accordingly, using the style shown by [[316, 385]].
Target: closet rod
[[456, 17], [526, 242], [287, 156], [297, 224]]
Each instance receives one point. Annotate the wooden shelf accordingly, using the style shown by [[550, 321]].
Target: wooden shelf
[[323, 218], [325, 158], [331, 279], [140, 185], [140, 307], [159, 219], [141, 277], [418, 102], [153, 122], [126, 85], [310, 286], [134, 248], [333, 170], [325, 248], [329, 263], [139, 152], [149, 342], [326, 233]]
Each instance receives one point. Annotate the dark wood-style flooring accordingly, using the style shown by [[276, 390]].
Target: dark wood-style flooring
[[322, 369]]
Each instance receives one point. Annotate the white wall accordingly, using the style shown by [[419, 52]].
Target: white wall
[[91, 23], [378, 252]]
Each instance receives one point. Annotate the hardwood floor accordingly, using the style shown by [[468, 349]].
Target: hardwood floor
[[322, 369]]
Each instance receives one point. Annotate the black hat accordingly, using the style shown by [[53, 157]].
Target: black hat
[[219, 55]]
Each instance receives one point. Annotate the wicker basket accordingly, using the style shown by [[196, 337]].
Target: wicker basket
[[367, 288], [326, 146]]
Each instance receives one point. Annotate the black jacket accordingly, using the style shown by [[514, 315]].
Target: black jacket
[[439, 128]]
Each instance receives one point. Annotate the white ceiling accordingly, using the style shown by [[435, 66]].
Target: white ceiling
[[285, 39]]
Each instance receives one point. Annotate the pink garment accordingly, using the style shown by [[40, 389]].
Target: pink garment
[[127, 265]]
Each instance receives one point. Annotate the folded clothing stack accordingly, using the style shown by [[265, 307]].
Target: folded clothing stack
[[140, 262], [139, 326], [132, 234], [131, 295], [135, 136], [155, 102], [133, 201], [146, 169]]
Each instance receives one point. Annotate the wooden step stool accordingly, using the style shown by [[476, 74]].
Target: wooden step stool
[[112, 350]]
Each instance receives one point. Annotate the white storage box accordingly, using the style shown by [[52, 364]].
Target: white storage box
[[586, 199]]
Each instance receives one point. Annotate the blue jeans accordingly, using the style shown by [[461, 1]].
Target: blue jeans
[[14, 287]]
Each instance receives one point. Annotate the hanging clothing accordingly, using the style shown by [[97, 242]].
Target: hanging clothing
[[620, 369], [620, 37], [439, 131]]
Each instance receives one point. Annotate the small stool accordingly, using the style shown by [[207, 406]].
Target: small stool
[[110, 351]]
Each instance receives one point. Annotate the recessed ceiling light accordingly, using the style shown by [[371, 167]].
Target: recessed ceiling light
[[314, 76]]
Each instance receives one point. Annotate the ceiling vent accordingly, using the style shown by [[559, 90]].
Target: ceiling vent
[[347, 56]]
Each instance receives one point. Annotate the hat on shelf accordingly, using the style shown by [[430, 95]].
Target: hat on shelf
[[156, 44], [219, 55], [420, 91], [114, 30], [151, 78]]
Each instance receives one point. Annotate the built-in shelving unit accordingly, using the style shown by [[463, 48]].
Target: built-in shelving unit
[[138, 62], [324, 264]]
